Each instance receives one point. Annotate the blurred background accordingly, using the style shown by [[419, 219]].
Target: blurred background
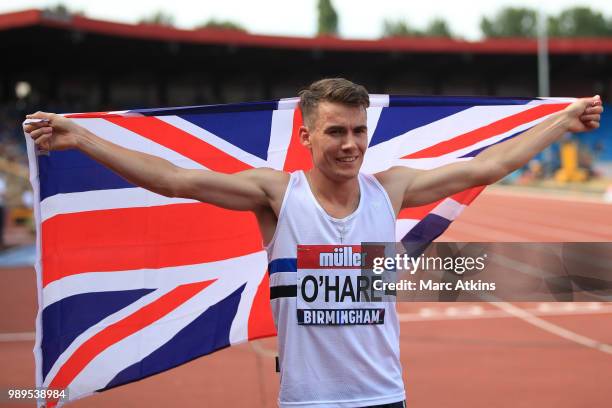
[[80, 56], [76, 56]]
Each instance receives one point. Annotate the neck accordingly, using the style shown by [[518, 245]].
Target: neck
[[344, 193]]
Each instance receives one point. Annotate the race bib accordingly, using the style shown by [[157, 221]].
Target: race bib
[[332, 290]]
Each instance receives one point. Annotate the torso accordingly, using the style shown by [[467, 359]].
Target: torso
[[343, 365]]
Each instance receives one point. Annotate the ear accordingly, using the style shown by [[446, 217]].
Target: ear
[[304, 135]]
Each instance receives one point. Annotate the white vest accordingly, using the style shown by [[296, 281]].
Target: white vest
[[332, 366]]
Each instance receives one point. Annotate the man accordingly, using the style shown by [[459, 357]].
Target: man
[[324, 366]]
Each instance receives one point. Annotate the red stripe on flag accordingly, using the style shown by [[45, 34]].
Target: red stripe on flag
[[418, 213], [467, 196], [123, 328], [298, 157], [151, 237], [182, 142], [260, 319], [495, 128]]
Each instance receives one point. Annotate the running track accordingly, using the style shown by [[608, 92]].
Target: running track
[[461, 355]]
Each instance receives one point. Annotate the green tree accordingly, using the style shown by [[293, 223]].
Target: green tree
[[328, 18], [438, 28], [510, 22], [398, 29], [579, 22], [159, 17], [222, 24], [61, 10]]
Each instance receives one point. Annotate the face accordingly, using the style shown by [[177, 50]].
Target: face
[[337, 140]]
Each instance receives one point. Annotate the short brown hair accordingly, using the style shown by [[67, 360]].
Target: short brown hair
[[337, 90]]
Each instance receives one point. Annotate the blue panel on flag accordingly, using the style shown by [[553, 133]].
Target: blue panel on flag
[[428, 229], [64, 320], [397, 121], [71, 171], [207, 333], [465, 101], [198, 109], [249, 131]]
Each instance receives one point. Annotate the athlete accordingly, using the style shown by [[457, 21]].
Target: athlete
[[333, 203]]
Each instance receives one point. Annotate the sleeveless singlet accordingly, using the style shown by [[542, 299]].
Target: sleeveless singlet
[[332, 366]]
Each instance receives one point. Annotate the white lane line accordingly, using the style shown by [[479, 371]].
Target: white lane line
[[24, 336], [425, 312], [544, 307], [594, 306], [478, 312], [552, 328]]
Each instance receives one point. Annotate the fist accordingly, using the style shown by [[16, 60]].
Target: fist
[[584, 114], [52, 131]]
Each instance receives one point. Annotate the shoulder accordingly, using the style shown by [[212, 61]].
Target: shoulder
[[272, 182], [395, 181], [395, 177]]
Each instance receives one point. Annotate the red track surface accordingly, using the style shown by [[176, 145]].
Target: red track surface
[[462, 355]]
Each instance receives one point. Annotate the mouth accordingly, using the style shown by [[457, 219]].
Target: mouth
[[348, 159]]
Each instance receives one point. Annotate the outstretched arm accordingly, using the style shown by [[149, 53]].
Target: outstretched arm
[[409, 187], [248, 190]]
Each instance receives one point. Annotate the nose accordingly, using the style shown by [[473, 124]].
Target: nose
[[349, 142]]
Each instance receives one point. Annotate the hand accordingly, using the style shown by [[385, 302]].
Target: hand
[[584, 114], [53, 132]]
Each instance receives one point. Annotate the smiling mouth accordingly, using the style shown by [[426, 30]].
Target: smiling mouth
[[347, 159]]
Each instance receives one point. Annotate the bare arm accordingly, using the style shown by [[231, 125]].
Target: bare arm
[[410, 187], [248, 190]]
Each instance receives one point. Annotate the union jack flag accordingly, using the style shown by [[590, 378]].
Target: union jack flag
[[131, 283]]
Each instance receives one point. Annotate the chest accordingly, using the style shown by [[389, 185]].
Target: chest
[[339, 211], [310, 225]]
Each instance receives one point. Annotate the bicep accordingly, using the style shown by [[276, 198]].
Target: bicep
[[427, 186], [242, 191]]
